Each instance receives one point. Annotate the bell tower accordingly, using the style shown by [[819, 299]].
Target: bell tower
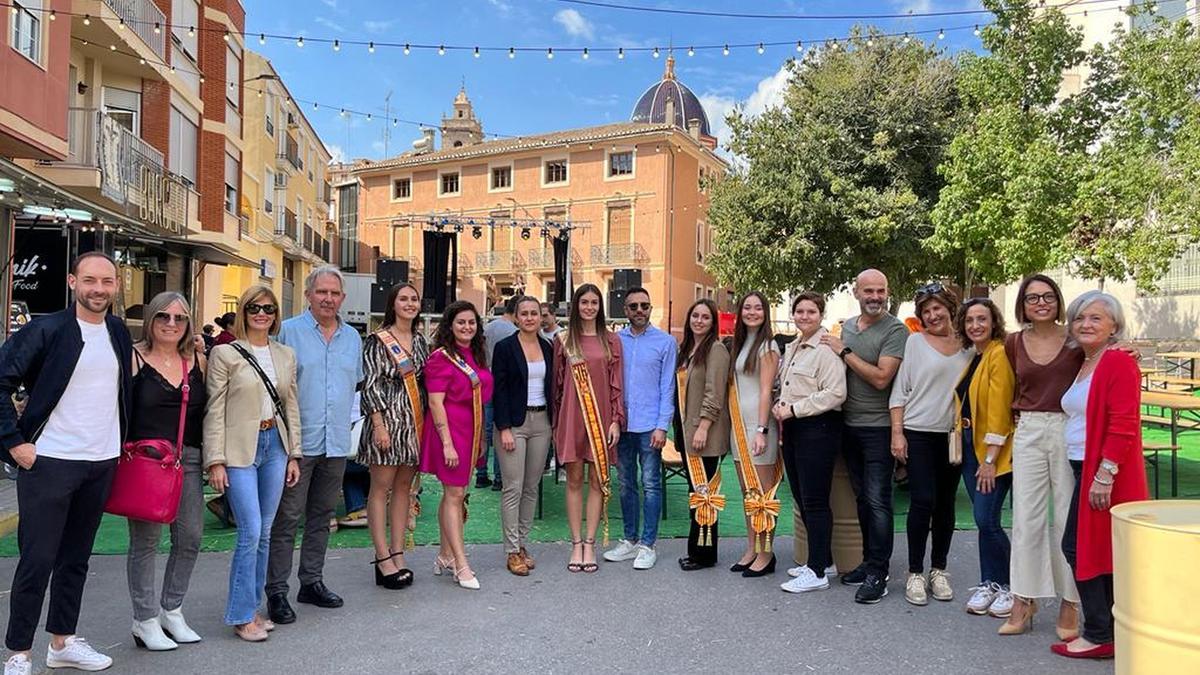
[[461, 127]]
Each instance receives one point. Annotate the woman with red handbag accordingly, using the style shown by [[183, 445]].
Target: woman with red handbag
[[168, 391]]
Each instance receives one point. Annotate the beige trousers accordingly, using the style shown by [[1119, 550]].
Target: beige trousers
[[1043, 485], [522, 470]]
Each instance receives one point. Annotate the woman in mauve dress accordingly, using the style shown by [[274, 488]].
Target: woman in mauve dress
[[453, 372], [588, 338]]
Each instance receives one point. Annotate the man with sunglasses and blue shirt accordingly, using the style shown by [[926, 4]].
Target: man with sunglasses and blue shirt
[[648, 360], [329, 370]]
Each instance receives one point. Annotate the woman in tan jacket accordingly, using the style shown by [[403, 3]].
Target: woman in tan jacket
[[702, 426], [252, 446]]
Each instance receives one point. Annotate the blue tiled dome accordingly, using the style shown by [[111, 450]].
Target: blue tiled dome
[[652, 106]]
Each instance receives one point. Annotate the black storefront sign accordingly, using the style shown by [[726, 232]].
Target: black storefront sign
[[39, 268]]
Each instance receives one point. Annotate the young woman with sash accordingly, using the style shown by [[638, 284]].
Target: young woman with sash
[[393, 401], [458, 383], [754, 436], [589, 412], [702, 428]]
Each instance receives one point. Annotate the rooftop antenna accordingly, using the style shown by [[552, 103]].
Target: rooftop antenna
[[387, 116]]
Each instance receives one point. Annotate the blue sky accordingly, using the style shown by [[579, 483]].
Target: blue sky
[[532, 94]]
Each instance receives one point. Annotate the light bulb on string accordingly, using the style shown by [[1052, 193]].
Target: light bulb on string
[[227, 36], [941, 34], [477, 52], [512, 53], [53, 16], [337, 46], [691, 52], [406, 49], [441, 50], [112, 48], [87, 19], [620, 52], [141, 62], [906, 38], [725, 51], [120, 22], [870, 42], [760, 48], [395, 121], [799, 46], [300, 41], [370, 47], [368, 117], [314, 105], [342, 112], [157, 25], [977, 30], [550, 52], [585, 53], [656, 52]]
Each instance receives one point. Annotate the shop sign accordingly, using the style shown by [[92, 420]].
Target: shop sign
[[40, 269]]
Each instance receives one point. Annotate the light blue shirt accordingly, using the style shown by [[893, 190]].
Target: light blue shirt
[[648, 362], [327, 375]]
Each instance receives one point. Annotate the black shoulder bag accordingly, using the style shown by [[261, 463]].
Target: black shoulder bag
[[271, 391]]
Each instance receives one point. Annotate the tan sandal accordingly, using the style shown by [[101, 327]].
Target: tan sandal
[[251, 632]]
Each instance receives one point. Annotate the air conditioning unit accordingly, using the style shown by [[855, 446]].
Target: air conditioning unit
[[281, 181]]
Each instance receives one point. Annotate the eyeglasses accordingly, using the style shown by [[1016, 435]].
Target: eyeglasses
[[166, 317], [255, 308], [644, 306], [1047, 298], [928, 290]]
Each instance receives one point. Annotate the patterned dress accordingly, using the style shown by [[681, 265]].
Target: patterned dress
[[384, 392]]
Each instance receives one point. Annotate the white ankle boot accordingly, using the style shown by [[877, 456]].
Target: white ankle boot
[[149, 635], [173, 624]]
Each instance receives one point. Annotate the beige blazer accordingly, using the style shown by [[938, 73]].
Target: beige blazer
[[812, 379], [705, 396], [235, 395]]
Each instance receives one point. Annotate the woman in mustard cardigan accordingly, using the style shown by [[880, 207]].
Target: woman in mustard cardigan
[[983, 404]]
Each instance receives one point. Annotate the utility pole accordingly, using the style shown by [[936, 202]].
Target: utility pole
[[387, 118]]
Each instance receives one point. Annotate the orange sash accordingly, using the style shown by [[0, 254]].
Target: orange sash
[[406, 366], [762, 506], [706, 498], [585, 393]]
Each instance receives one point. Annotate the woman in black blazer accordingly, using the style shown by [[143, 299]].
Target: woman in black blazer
[[521, 365]]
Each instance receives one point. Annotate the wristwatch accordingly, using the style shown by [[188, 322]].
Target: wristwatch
[[1109, 466], [989, 460], [761, 430], [845, 350]]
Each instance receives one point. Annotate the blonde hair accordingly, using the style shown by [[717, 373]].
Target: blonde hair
[[241, 325], [159, 303]]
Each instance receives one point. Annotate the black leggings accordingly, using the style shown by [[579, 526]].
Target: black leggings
[[932, 486], [1095, 594], [810, 448], [696, 549]]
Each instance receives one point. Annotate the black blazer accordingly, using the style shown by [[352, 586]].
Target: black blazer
[[511, 373], [42, 356]]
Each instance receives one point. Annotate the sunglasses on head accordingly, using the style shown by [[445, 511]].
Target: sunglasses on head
[[644, 306], [167, 317], [929, 289], [255, 308]]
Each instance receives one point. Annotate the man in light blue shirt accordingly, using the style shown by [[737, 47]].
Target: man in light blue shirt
[[496, 330], [329, 368], [648, 360]]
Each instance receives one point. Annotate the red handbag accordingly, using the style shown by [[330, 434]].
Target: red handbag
[[149, 477]]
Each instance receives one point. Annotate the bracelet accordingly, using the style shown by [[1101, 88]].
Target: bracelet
[[1096, 478]]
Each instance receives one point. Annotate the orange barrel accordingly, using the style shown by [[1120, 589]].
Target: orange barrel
[[847, 537], [1156, 552]]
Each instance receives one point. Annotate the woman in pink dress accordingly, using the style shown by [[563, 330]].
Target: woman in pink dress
[[587, 341], [458, 383]]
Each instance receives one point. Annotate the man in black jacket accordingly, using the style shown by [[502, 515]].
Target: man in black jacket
[[75, 365]]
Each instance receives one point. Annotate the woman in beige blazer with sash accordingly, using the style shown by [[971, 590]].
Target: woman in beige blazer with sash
[[702, 426], [252, 446]]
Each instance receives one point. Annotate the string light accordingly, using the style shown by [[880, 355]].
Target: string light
[[370, 47], [300, 41], [54, 16], [191, 31], [656, 52], [799, 46], [691, 52], [620, 52], [725, 51], [512, 53], [406, 49], [120, 22], [157, 26], [112, 48], [941, 34], [477, 52], [760, 48], [87, 19], [441, 50], [337, 46], [227, 36], [976, 30], [262, 39], [550, 52]]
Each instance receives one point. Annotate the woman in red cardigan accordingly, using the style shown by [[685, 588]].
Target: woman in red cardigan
[[1104, 440]]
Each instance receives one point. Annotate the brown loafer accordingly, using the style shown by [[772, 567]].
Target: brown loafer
[[527, 558], [516, 565]]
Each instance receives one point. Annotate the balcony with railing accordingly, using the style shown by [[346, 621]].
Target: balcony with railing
[[288, 158], [493, 262], [145, 20], [326, 193], [289, 227], [618, 255], [543, 258]]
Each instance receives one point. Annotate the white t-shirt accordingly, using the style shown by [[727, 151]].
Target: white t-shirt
[[537, 383], [1074, 404], [86, 423], [263, 356]]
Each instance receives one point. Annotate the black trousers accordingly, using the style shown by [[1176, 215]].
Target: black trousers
[[932, 487], [696, 550], [61, 503], [1095, 594], [810, 449], [870, 464]]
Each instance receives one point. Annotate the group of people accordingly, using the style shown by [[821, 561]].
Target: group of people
[[1049, 413]]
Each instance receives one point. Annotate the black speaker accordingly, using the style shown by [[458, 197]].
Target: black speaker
[[379, 293], [625, 278], [389, 271], [616, 303]]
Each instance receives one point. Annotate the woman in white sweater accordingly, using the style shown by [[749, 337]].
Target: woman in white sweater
[[922, 417]]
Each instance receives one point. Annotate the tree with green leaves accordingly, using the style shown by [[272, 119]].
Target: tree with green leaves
[[843, 175]]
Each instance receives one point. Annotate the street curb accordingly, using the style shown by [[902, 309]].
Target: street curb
[[8, 523]]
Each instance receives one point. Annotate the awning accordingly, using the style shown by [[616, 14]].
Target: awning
[[200, 250]]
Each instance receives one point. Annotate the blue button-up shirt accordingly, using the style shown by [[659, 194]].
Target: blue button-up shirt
[[648, 362], [328, 373]]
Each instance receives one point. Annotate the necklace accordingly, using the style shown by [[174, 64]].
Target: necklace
[[1092, 357]]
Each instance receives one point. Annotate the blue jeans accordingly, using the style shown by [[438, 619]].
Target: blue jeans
[[869, 461], [994, 547], [488, 447], [356, 483], [253, 494], [635, 447]]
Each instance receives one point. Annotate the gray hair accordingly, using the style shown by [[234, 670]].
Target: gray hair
[[324, 270], [1111, 305], [159, 303]]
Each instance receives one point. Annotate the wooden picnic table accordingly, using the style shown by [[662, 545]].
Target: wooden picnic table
[[1182, 414], [1177, 362]]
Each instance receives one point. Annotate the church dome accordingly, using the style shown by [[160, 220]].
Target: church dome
[[652, 106]]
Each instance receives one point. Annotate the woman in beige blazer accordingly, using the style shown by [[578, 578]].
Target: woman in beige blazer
[[702, 425], [252, 446]]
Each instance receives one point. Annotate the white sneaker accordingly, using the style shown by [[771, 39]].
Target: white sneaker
[[915, 589], [982, 597], [624, 550], [175, 627], [18, 664], [939, 585], [646, 557], [78, 654], [149, 635], [807, 580], [794, 572], [1001, 607]]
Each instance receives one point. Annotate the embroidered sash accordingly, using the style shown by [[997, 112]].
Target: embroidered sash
[[762, 507], [706, 497], [407, 368], [585, 393], [476, 402]]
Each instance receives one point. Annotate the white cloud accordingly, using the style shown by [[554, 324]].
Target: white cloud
[[336, 152], [767, 94], [331, 25], [500, 5], [331, 4], [574, 23], [377, 27], [377, 147]]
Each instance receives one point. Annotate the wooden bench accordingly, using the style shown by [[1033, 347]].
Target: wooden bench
[[1165, 422], [1150, 452], [1171, 380]]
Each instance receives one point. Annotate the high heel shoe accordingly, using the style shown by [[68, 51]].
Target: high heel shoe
[[149, 635], [1067, 627], [750, 572], [389, 581], [441, 565], [1021, 619], [590, 567], [576, 565], [471, 584], [739, 566]]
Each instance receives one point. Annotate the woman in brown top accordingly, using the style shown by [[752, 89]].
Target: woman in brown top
[[702, 424], [587, 341], [1045, 366]]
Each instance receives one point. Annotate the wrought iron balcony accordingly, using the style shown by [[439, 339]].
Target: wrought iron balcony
[[498, 261], [616, 255], [146, 20], [289, 227], [543, 258]]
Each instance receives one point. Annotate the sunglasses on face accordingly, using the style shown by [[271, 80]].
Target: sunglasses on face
[[1047, 298], [644, 306], [167, 318], [255, 308]]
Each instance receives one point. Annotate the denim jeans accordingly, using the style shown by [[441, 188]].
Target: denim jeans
[[488, 447], [869, 461], [253, 494], [356, 483], [995, 549], [634, 448]]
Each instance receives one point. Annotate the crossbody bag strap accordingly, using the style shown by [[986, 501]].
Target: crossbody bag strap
[[271, 391], [186, 387]]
